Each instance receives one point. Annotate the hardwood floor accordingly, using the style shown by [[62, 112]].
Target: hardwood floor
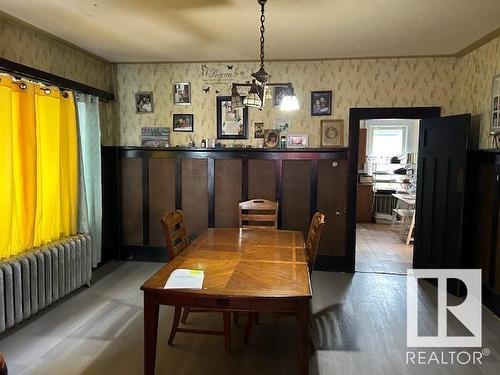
[[359, 327], [379, 249]]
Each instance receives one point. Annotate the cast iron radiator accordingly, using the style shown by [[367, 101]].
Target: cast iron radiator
[[35, 279]]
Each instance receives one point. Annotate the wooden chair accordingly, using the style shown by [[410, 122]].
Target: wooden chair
[[259, 213], [176, 236], [312, 243], [177, 240], [313, 237]]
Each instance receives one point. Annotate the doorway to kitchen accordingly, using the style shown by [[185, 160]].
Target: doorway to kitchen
[[386, 188]]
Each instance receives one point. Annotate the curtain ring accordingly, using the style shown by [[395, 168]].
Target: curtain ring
[[23, 86], [65, 95], [46, 90]]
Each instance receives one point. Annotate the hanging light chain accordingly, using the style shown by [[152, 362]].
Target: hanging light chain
[[262, 30]]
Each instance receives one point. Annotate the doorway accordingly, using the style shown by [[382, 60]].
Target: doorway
[[356, 116], [386, 191]]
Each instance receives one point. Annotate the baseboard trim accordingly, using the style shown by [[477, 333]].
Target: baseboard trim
[[332, 263], [144, 254]]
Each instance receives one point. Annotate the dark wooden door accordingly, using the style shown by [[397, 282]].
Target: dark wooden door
[[440, 191]]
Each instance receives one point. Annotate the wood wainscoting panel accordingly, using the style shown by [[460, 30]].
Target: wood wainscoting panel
[[161, 196], [295, 210], [262, 179], [195, 195], [332, 198], [132, 212], [228, 182]]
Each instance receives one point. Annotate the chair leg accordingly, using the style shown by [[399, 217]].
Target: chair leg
[[175, 324], [185, 313], [226, 317], [248, 329]]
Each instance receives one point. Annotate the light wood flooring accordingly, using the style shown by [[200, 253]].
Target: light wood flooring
[[359, 326], [380, 249]]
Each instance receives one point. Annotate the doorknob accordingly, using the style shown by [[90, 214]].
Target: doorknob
[[335, 164]]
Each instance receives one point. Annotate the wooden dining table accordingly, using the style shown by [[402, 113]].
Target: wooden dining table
[[249, 270]]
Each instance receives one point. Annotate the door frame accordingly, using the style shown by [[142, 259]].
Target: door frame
[[355, 117]]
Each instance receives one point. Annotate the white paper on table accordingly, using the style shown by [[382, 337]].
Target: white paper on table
[[185, 279]]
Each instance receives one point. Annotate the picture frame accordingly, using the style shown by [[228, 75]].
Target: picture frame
[[321, 103], [144, 102], [495, 104], [155, 137], [297, 140], [182, 93], [271, 138], [183, 122], [231, 124], [258, 130], [278, 93], [332, 133]]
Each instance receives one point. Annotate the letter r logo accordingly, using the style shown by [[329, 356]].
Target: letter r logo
[[468, 312]]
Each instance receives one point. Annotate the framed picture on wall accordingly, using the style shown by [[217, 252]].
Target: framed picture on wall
[[144, 102], [183, 122], [259, 130], [231, 123], [297, 140], [278, 94], [271, 138], [495, 104], [332, 133], [182, 93], [321, 103]]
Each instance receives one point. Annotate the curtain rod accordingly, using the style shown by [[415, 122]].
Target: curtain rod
[[49, 78]]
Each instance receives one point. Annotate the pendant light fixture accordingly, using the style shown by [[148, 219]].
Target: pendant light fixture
[[259, 85]]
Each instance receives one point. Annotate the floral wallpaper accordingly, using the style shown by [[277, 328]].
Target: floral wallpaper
[[457, 84], [475, 85], [354, 83]]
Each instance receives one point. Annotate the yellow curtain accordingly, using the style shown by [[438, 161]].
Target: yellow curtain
[[38, 165]]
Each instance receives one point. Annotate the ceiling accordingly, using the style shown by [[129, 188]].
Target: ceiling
[[220, 30]]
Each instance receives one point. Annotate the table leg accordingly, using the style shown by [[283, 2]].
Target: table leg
[[150, 333], [303, 337]]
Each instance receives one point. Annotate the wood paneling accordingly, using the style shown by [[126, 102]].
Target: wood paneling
[[161, 196], [195, 195], [261, 179], [132, 217], [295, 210], [364, 205], [228, 182], [332, 199]]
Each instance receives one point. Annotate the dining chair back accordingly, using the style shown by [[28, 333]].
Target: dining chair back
[[176, 236], [313, 237], [259, 213]]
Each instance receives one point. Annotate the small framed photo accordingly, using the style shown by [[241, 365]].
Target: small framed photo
[[297, 140], [182, 93], [183, 122], [144, 102], [231, 123], [278, 94], [155, 137], [259, 130], [495, 104], [282, 125], [332, 133], [321, 103], [271, 138]]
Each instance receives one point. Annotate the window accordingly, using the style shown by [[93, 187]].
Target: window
[[387, 141]]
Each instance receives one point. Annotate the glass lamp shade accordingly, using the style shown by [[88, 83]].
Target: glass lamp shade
[[290, 102], [252, 100], [236, 101]]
